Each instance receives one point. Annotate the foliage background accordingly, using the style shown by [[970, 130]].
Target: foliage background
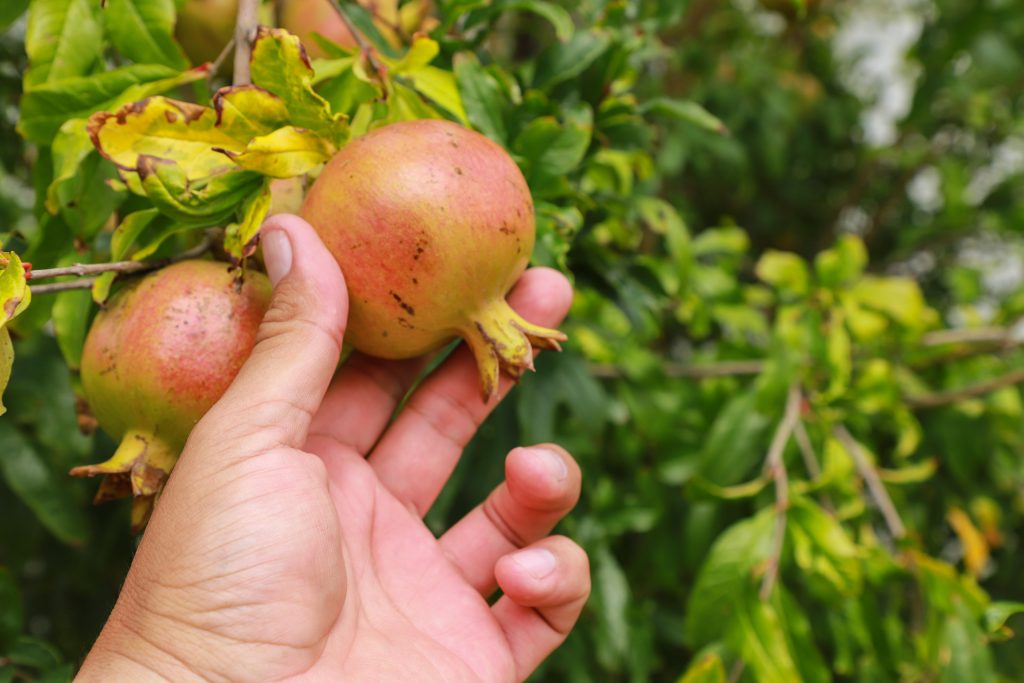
[[843, 228]]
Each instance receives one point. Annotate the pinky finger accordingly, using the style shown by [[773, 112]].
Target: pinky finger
[[545, 587]]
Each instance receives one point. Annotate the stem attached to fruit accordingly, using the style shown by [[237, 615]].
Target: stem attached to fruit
[[501, 340]]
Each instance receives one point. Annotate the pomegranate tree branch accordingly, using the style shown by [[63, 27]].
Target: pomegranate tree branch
[[776, 469], [120, 267], [803, 441], [945, 398], [874, 482], [364, 45], [245, 31]]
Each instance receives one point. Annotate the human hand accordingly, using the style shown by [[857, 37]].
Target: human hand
[[289, 541]]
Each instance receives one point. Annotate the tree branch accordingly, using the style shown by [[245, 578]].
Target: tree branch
[[803, 440], [677, 370], [245, 31], [776, 469], [945, 398], [120, 267], [364, 45], [875, 486]]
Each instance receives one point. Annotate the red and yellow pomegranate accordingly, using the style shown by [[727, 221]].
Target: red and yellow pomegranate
[[164, 350], [432, 224]]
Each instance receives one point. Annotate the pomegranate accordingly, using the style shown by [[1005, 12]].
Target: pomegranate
[[306, 17], [432, 224], [164, 350]]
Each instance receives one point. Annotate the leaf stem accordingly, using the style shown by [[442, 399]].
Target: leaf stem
[[776, 469], [874, 482], [803, 441], [364, 45]]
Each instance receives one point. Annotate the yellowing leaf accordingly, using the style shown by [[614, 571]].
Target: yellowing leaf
[[206, 201], [421, 53], [783, 270], [708, 669], [975, 547], [248, 111], [285, 153], [280, 66], [14, 298], [899, 298], [439, 87], [239, 239], [162, 128]]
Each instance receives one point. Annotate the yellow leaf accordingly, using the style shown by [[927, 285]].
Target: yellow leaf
[[248, 111], [165, 129], [421, 53], [285, 153], [975, 546], [6, 363], [239, 238]]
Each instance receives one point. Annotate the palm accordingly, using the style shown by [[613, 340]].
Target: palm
[[289, 541]]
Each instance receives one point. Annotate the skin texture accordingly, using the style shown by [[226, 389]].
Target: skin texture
[[421, 207], [289, 543], [204, 27], [161, 353]]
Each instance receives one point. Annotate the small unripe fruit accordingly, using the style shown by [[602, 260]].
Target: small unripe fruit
[[155, 360], [432, 224]]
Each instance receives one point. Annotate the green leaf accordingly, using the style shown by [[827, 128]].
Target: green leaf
[[783, 270], [142, 31], [550, 149], [708, 669], [34, 653], [363, 20], [128, 232], [558, 17], [29, 477], [736, 441], [88, 198], [482, 96], [612, 590], [843, 263], [757, 632], [46, 108], [199, 203], [71, 322], [714, 241], [828, 558], [686, 111], [10, 10], [563, 61], [725, 574], [997, 613], [964, 652], [11, 611], [63, 40]]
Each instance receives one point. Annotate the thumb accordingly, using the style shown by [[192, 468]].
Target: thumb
[[280, 386]]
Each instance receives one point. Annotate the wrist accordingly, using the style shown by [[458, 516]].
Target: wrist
[[137, 645]]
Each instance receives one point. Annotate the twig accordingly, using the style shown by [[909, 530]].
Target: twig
[[245, 31], [945, 398], [120, 267], [803, 440], [219, 62], [975, 335], [364, 45], [874, 483], [676, 370], [776, 469], [54, 287]]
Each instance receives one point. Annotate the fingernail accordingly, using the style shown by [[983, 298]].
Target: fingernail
[[537, 562], [554, 462], [277, 254]]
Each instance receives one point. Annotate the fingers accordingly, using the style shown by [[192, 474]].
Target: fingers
[[361, 399], [542, 484], [545, 586], [275, 394], [418, 453]]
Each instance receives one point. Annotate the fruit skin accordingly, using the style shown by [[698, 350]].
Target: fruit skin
[[432, 224], [204, 27], [164, 350], [306, 17]]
